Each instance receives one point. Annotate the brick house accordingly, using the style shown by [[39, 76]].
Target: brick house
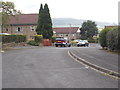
[[25, 24]]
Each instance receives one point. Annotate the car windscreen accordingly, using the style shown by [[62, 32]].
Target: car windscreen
[[60, 39]]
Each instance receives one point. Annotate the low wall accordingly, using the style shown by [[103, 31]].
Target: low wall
[[13, 44]]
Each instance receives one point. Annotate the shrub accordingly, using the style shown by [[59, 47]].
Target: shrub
[[112, 39], [53, 39], [38, 38], [102, 37], [33, 43], [119, 38], [13, 38], [92, 41]]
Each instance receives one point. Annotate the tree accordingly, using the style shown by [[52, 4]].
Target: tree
[[44, 26], [88, 30], [40, 21], [6, 10]]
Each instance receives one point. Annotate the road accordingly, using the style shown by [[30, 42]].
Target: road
[[49, 67], [95, 55]]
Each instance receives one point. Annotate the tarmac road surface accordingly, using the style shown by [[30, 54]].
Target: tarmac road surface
[[49, 67]]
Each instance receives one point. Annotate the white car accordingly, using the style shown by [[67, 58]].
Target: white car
[[82, 43], [4, 34], [86, 43]]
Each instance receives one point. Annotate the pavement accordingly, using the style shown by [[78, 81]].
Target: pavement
[[50, 67]]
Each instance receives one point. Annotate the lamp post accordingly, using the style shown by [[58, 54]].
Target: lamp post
[[78, 33], [69, 32]]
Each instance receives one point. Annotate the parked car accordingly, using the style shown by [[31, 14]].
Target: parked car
[[5, 34], [82, 43], [74, 42], [86, 43], [61, 41]]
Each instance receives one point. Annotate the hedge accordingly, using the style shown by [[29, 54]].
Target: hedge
[[38, 38], [112, 39], [33, 43], [103, 38], [53, 39], [13, 38], [92, 40]]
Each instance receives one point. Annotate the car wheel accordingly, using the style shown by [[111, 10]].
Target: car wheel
[[64, 45], [56, 45]]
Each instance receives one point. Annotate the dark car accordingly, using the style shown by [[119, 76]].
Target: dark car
[[61, 41]]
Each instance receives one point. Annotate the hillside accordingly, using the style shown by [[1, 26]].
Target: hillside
[[65, 22]]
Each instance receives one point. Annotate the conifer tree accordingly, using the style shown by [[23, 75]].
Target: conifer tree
[[40, 21], [44, 26]]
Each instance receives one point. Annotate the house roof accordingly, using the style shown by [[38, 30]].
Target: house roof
[[111, 26], [65, 30], [31, 19], [24, 19]]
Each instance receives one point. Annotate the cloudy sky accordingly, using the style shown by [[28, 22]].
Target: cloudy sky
[[97, 10]]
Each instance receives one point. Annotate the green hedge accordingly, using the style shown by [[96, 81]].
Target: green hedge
[[103, 38], [33, 43], [112, 39], [92, 41], [38, 38], [53, 39], [13, 38]]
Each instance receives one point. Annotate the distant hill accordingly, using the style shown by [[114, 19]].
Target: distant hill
[[65, 22]]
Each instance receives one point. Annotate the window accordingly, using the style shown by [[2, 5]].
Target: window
[[19, 29], [66, 34], [32, 28], [7, 29]]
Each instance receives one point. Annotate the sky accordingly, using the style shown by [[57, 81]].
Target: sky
[[96, 10]]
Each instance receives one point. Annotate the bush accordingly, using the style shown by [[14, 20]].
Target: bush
[[13, 38], [53, 39], [102, 37], [112, 39], [92, 41], [33, 43], [38, 38]]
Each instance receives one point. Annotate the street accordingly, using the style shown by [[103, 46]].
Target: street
[[52, 67]]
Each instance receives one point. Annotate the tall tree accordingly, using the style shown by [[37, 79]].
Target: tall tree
[[6, 10], [39, 28], [44, 26], [88, 30]]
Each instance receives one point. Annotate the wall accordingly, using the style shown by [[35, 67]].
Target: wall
[[28, 30]]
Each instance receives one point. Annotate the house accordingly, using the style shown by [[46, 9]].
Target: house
[[111, 27], [25, 24], [68, 32]]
